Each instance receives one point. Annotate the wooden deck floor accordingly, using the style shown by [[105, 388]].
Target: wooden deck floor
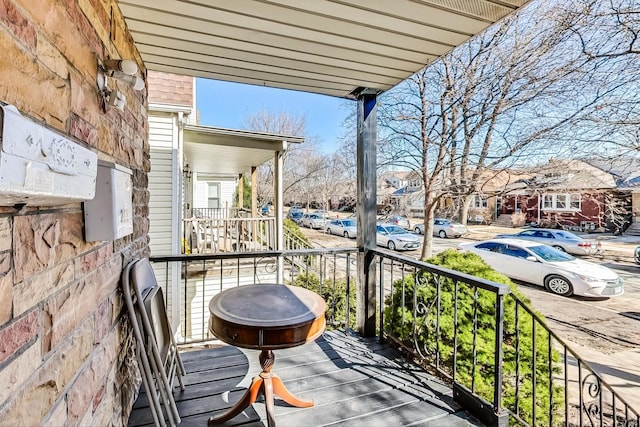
[[353, 382]]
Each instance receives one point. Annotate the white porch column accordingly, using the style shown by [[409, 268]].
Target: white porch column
[[254, 192], [278, 206]]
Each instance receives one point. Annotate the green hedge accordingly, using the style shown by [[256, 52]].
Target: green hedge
[[410, 316], [334, 294]]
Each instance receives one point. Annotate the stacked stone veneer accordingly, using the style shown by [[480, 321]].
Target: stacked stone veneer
[[65, 345]]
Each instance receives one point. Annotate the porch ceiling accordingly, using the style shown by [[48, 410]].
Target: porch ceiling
[[331, 47], [230, 151]]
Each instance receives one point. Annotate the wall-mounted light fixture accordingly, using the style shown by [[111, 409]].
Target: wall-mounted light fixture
[[186, 172], [123, 70]]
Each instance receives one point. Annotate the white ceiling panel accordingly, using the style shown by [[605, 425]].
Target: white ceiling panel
[[331, 47]]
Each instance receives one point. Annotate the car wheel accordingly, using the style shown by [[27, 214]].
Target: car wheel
[[417, 230], [391, 245], [558, 285], [442, 234], [345, 234], [560, 248], [328, 231]]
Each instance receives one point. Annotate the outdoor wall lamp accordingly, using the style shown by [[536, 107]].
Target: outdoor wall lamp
[[186, 172], [123, 70]]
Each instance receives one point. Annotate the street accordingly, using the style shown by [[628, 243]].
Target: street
[[604, 331]]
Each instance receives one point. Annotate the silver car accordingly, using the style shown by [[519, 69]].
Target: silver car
[[543, 265], [312, 221], [396, 238], [559, 239], [343, 227], [444, 228]]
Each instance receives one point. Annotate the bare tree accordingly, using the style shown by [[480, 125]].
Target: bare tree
[[297, 168], [513, 95]]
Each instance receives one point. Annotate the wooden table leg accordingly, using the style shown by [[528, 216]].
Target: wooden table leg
[[247, 399], [269, 385]]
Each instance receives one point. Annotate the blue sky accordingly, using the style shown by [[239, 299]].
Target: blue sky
[[227, 105]]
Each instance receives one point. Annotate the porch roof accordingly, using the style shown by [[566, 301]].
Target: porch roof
[[329, 47], [231, 151]]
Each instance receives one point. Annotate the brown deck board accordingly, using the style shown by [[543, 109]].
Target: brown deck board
[[353, 381]]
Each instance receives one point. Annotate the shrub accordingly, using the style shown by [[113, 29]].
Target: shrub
[[292, 228], [411, 313], [334, 294], [518, 219]]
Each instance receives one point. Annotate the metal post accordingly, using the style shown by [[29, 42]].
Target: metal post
[[366, 211], [497, 390]]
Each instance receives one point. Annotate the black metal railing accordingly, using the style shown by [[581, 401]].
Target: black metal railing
[[199, 277], [501, 359]]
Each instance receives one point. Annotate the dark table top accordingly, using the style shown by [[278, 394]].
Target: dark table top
[[267, 316]]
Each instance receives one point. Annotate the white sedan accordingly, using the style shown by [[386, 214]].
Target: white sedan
[[343, 227], [543, 265], [312, 221], [395, 237]]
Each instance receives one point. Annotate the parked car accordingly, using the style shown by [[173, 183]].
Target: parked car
[[324, 214], [444, 228], [396, 238], [559, 239], [265, 209], [543, 265], [312, 221], [398, 220], [295, 216], [636, 255], [343, 227]]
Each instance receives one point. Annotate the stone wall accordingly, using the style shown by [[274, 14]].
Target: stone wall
[[65, 346]]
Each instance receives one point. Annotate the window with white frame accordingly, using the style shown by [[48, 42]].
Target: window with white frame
[[478, 202], [213, 196], [561, 201]]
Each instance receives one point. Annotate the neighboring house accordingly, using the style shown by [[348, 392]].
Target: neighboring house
[[483, 205], [626, 171], [397, 179], [569, 193], [404, 197], [193, 181]]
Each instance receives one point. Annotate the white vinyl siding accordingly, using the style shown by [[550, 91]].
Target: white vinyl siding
[[201, 190], [161, 203], [164, 234]]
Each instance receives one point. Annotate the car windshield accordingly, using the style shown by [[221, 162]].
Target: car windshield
[[349, 223], [550, 254], [396, 230], [296, 214]]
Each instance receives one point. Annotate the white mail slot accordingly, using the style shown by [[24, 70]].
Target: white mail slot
[[41, 167]]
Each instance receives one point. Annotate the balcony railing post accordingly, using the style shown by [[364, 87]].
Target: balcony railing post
[[497, 390], [366, 211]]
